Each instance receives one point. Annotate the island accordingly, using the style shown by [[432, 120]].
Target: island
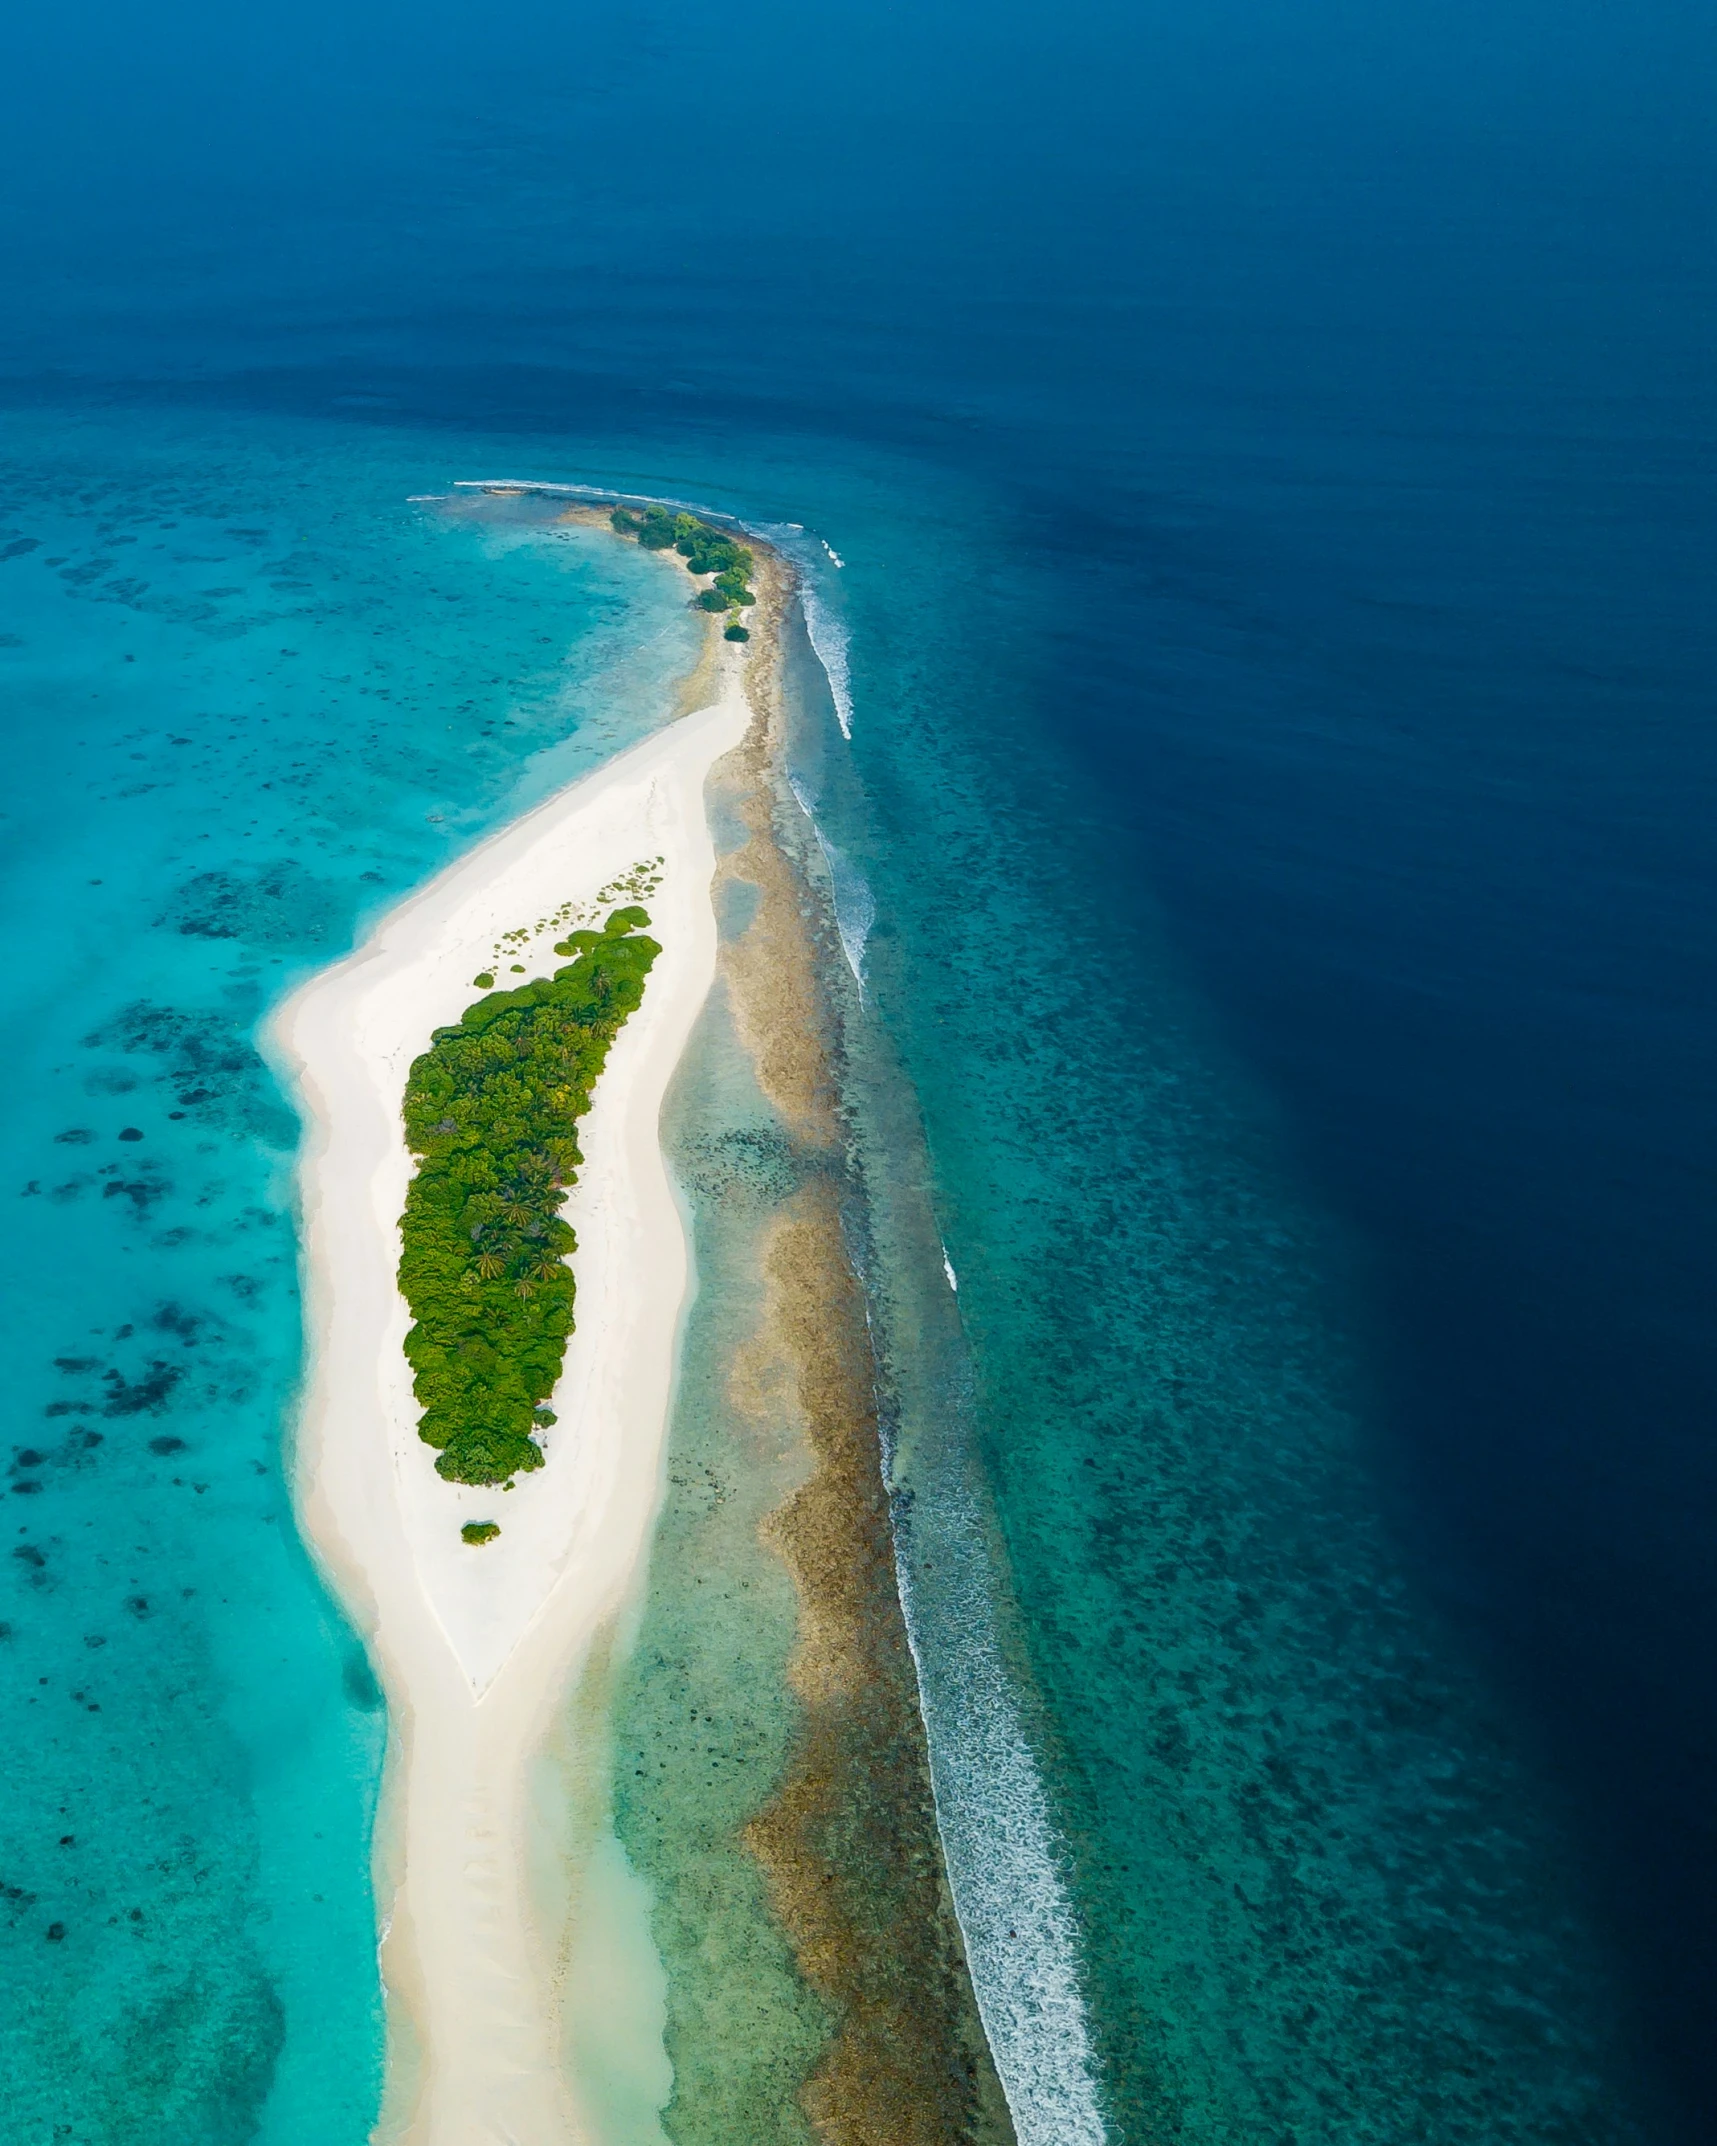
[[496, 1274]]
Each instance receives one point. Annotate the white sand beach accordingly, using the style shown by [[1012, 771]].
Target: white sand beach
[[477, 1646]]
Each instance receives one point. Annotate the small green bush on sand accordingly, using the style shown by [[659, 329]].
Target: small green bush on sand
[[479, 1531], [656, 530]]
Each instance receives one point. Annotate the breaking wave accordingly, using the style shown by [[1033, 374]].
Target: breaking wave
[[999, 1839], [855, 904]]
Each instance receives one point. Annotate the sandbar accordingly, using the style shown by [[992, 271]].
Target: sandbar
[[476, 1647]]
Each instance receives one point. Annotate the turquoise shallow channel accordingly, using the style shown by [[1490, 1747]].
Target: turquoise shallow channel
[[253, 697]]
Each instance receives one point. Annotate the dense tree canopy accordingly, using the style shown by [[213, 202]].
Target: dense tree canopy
[[491, 1110], [706, 550]]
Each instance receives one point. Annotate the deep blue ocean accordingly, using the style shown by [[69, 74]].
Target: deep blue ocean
[[1271, 457]]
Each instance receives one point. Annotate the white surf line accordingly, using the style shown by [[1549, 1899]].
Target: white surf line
[[999, 1842], [854, 904], [476, 1647], [597, 494]]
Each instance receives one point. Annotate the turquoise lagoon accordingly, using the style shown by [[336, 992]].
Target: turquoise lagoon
[[1243, 1845]]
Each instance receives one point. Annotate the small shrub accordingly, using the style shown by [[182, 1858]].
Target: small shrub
[[657, 531], [731, 586], [737, 633], [479, 1531], [486, 981]]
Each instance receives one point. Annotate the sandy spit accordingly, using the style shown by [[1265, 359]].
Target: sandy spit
[[477, 1646]]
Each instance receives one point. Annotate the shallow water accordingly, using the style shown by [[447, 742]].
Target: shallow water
[[252, 696], [704, 1722]]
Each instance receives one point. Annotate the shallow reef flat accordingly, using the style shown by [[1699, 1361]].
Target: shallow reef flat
[[772, 1780]]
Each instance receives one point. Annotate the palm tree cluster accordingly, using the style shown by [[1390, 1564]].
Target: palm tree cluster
[[491, 1111]]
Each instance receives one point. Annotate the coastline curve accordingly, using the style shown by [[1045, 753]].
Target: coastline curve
[[475, 1647]]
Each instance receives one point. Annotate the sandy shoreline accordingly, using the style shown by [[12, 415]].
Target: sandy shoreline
[[550, 1979], [475, 1647]]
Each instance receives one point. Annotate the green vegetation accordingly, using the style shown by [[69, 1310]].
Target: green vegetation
[[479, 1531], [638, 880], [732, 586], [706, 550], [491, 1110], [636, 883], [580, 942], [736, 632]]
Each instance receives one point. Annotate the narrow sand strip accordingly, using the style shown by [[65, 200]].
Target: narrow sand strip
[[476, 1646]]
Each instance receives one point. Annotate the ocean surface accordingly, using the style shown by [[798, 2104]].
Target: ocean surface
[[1263, 751]]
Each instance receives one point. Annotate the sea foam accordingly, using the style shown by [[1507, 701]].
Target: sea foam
[[829, 638], [998, 1835], [824, 627], [999, 1841], [855, 904]]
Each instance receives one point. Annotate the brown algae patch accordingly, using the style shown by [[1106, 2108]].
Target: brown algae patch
[[770, 1780], [848, 1843], [771, 967]]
